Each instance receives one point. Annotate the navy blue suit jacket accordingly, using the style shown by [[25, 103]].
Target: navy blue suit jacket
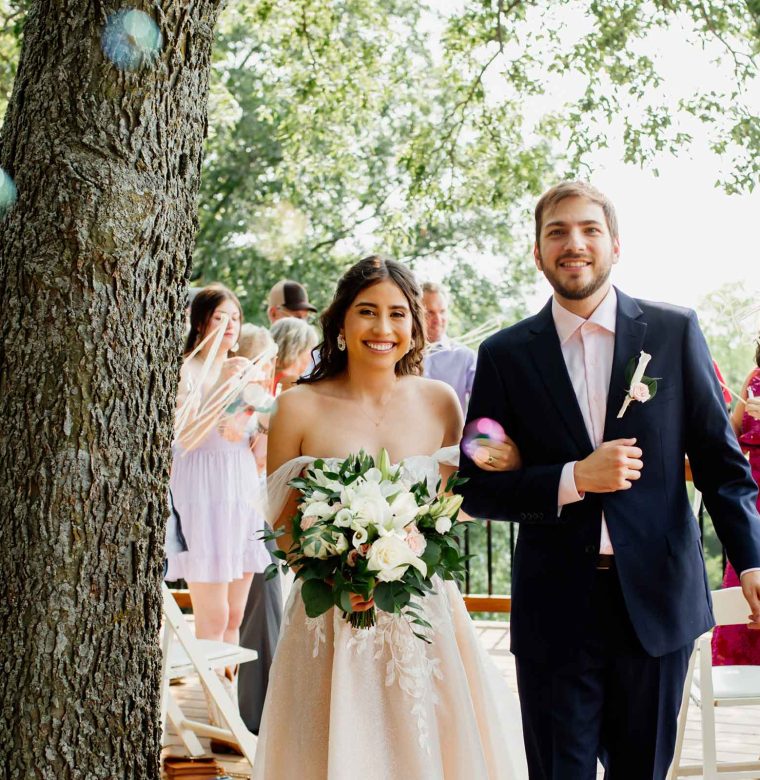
[[522, 382]]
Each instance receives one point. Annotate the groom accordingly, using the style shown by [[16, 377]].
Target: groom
[[609, 587]]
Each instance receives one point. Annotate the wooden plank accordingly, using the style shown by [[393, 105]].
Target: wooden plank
[[182, 597], [476, 602]]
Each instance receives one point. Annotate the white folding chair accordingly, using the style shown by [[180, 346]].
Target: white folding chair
[[717, 686], [200, 656]]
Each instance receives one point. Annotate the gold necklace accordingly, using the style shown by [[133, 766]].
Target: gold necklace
[[376, 423]]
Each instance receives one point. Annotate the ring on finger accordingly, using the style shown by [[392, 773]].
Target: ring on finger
[[491, 460]]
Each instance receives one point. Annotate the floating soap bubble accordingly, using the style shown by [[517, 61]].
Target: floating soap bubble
[[8, 193], [481, 430], [131, 39]]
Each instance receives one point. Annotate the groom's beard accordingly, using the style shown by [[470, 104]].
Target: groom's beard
[[576, 293]]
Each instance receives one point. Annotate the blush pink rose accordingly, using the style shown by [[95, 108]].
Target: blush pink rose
[[415, 540], [640, 392], [351, 557], [308, 522]]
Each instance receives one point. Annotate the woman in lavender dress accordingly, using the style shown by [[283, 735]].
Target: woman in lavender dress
[[215, 486]]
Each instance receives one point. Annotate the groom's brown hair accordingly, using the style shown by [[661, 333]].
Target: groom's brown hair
[[576, 189]]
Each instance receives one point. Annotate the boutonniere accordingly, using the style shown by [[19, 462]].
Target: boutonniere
[[640, 387]]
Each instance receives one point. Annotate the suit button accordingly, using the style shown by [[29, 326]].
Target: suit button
[[590, 549], [523, 516]]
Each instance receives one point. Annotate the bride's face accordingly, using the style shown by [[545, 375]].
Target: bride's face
[[378, 325]]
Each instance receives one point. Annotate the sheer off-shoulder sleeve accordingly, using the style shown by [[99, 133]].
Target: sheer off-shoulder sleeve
[[277, 485], [447, 456]]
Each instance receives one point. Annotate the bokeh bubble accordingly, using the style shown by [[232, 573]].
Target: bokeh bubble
[[8, 192], [131, 39], [481, 430]]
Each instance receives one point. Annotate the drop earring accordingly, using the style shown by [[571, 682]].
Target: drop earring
[[341, 342]]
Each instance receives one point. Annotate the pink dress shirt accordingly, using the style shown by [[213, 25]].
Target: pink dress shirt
[[587, 347]]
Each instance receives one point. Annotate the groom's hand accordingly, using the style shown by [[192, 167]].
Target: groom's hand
[[614, 465], [750, 582]]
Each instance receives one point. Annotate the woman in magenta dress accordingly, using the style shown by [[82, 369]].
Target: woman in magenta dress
[[737, 645]]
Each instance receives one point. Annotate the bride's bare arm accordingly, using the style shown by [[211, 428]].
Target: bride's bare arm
[[285, 439], [451, 413]]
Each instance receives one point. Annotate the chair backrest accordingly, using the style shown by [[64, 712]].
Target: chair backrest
[[730, 607]]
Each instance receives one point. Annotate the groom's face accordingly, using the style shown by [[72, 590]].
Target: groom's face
[[576, 251]]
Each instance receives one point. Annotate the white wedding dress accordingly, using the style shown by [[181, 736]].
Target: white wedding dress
[[379, 703]]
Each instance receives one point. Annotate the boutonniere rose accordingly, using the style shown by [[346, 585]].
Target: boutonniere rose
[[641, 388]]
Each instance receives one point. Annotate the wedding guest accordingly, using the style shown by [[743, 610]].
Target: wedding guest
[[260, 629], [263, 609], [214, 483], [295, 340], [254, 339], [445, 359], [737, 645], [289, 299]]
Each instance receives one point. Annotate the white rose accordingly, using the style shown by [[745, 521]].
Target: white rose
[[341, 544], [390, 557], [443, 524]]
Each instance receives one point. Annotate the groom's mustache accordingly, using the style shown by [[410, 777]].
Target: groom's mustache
[[572, 256]]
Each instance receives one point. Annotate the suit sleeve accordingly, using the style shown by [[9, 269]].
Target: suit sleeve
[[526, 495], [720, 470]]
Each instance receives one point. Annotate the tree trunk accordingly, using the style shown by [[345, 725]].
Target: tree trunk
[[93, 264]]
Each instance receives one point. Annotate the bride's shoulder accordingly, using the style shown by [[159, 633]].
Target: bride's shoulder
[[433, 390]]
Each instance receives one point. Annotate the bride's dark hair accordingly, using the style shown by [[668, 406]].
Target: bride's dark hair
[[363, 274]]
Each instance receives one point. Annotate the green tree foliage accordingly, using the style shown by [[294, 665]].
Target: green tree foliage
[[11, 23], [729, 320], [340, 127], [344, 127]]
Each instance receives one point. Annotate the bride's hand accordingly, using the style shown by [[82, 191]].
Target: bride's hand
[[358, 604], [494, 455]]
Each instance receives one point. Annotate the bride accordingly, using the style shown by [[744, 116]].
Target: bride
[[378, 703]]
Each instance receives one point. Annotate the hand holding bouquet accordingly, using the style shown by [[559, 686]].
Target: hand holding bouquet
[[379, 531]]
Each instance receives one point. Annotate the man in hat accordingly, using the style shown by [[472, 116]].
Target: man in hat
[[289, 299]]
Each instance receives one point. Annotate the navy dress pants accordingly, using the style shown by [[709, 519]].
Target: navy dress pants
[[606, 699]]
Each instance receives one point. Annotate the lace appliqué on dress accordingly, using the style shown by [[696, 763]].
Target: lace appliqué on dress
[[407, 663], [316, 627]]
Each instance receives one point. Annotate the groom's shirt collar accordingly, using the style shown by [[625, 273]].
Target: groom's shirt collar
[[568, 323]]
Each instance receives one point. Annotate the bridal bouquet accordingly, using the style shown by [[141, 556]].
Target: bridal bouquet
[[369, 528]]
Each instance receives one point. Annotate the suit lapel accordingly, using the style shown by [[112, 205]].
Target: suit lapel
[[546, 352], [630, 331]]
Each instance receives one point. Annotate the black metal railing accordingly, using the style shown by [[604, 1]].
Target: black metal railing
[[486, 543]]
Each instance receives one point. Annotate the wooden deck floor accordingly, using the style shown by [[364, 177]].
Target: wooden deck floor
[[738, 728]]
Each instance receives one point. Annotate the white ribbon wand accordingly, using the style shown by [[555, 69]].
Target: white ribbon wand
[[735, 394], [214, 407], [193, 397]]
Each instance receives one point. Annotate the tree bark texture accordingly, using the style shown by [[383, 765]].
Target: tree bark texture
[[93, 264]]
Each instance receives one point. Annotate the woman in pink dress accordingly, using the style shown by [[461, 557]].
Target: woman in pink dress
[[737, 645]]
